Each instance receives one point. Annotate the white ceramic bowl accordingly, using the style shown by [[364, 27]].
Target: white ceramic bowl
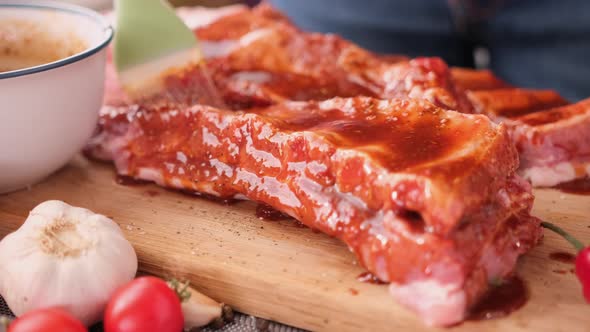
[[94, 4], [48, 111]]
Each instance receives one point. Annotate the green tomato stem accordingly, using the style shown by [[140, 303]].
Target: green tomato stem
[[577, 244], [181, 289]]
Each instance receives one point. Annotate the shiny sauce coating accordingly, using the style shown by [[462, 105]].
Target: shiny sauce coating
[[398, 135]]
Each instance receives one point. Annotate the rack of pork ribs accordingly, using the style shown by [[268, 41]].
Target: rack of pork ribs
[[413, 165]]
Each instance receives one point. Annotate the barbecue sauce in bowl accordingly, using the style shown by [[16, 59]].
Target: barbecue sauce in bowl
[[28, 43]]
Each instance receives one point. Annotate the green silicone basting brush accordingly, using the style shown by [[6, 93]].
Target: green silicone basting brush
[[151, 41]]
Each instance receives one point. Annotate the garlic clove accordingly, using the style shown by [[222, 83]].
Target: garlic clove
[[4, 322], [65, 256], [200, 310]]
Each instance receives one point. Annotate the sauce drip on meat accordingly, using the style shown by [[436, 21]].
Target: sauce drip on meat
[[501, 300], [129, 181], [267, 212], [370, 278], [152, 193], [578, 186], [564, 257], [214, 199], [299, 224]]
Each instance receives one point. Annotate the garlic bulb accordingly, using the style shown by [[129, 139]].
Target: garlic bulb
[[65, 256]]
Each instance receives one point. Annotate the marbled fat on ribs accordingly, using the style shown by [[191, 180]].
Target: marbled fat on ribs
[[427, 199]]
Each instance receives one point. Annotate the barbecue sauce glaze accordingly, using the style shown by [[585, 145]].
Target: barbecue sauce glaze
[[501, 300], [578, 186]]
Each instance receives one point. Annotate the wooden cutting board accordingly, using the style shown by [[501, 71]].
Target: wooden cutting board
[[282, 272]]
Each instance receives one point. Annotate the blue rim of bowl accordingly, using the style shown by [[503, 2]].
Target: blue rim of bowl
[[67, 8]]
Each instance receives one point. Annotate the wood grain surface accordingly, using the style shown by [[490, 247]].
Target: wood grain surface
[[282, 272]]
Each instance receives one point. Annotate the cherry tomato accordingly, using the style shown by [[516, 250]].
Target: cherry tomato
[[146, 304], [50, 319], [583, 271], [582, 259]]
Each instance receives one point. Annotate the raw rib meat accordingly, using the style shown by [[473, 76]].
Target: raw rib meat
[[427, 199]]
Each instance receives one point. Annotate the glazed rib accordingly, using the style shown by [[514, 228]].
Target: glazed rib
[[403, 183], [426, 198], [477, 80], [552, 136], [554, 145], [264, 60], [506, 103]]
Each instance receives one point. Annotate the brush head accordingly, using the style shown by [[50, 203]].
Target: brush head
[[151, 43]]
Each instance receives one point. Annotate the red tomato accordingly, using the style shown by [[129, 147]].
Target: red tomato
[[583, 271], [145, 304], [50, 319]]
